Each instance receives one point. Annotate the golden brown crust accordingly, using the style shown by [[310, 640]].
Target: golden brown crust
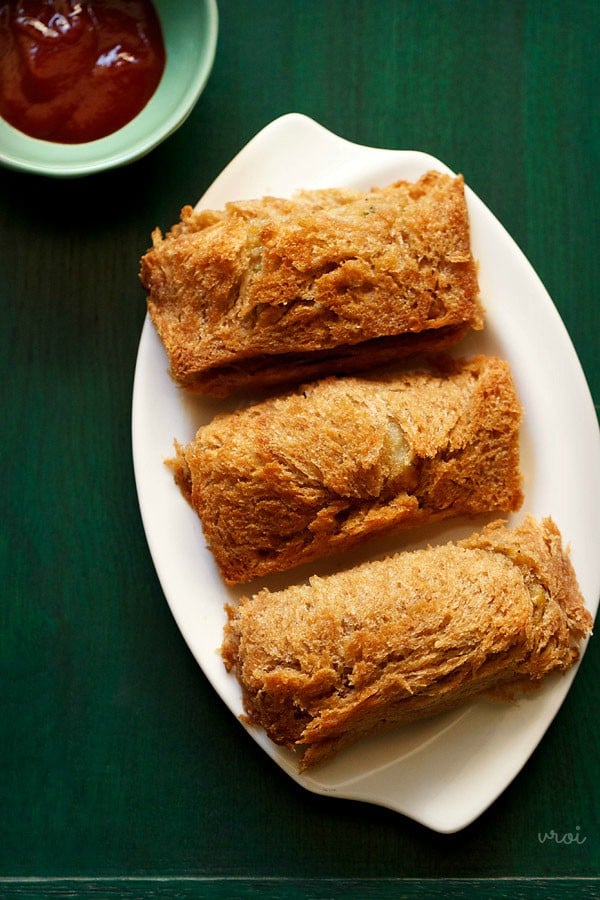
[[394, 640], [318, 470], [275, 291]]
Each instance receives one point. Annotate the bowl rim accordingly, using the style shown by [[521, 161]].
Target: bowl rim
[[73, 159]]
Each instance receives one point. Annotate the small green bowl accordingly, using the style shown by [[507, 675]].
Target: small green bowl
[[190, 29]]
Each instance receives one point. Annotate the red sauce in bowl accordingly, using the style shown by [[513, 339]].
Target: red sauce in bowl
[[71, 71]]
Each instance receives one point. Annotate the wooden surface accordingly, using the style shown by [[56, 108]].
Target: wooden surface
[[121, 772]]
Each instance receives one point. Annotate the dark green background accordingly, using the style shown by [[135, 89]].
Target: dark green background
[[116, 757]]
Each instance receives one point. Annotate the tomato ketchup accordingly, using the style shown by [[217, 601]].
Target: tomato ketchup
[[72, 71]]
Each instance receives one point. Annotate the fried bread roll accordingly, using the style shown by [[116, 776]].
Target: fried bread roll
[[390, 641], [276, 291], [315, 471]]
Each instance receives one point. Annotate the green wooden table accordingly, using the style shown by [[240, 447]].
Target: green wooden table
[[121, 771]]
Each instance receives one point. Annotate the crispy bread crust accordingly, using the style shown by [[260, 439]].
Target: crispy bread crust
[[390, 641], [275, 291], [318, 470]]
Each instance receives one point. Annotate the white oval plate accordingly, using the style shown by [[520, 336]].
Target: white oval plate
[[446, 771]]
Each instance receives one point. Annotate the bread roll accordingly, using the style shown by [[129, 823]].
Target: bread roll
[[276, 291], [318, 470], [394, 640]]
